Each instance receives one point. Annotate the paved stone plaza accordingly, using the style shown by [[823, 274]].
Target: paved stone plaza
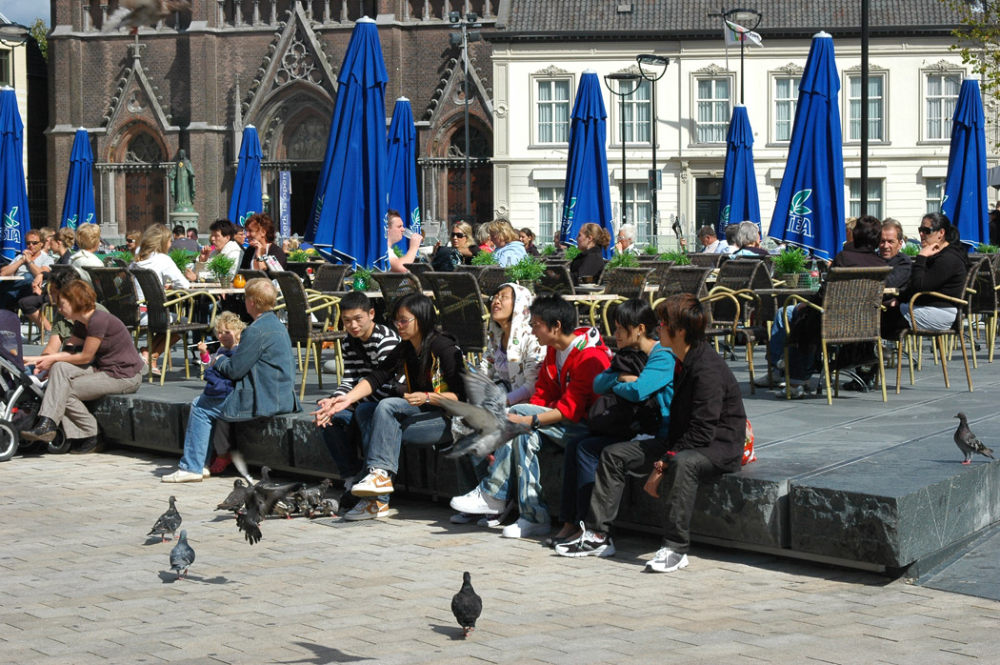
[[83, 584]]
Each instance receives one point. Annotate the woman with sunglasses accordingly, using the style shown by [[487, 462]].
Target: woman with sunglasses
[[463, 241], [940, 266], [431, 364]]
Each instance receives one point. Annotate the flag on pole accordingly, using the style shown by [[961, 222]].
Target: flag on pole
[[735, 34]]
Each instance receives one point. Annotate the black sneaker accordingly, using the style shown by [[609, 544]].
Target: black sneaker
[[587, 545]]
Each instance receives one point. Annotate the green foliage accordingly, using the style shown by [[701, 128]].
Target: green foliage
[[182, 257], [298, 256], [988, 249], [623, 260], [651, 249], [548, 250], [362, 279], [910, 249], [127, 257], [679, 258], [527, 269], [571, 253], [978, 41], [484, 258], [39, 31], [791, 260], [220, 265]]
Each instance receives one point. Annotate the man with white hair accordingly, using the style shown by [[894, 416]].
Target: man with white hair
[[626, 240]]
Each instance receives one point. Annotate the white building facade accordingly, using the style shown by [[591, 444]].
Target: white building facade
[[914, 79]]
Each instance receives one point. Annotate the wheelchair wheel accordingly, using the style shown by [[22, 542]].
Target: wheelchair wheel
[[9, 439], [59, 445]]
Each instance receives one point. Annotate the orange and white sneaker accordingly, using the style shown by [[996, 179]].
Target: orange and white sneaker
[[367, 509], [376, 483]]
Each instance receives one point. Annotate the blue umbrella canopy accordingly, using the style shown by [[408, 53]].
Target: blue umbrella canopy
[[350, 204], [13, 190], [247, 196], [809, 211], [739, 202], [78, 205], [587, 196], [966, 200], [402, 156]]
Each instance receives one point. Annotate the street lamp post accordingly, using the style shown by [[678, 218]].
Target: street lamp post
[[652, 68], [745, 18], [462, 39], [617, 84]]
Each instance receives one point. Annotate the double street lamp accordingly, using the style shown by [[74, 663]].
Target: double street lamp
[[748, 19], [623, 84], [652, 68]]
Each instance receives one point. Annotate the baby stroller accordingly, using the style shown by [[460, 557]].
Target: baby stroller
[[20, 393]]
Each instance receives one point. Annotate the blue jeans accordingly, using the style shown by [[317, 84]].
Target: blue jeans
[[579, 471], [340, 440], [204, 412], [523, 451], [801, 359]]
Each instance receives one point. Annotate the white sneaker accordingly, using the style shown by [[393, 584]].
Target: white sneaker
[[182, 476], [205, 473], [367, 509], [667, 561], [477, 502], [522, 528], [376, 483]]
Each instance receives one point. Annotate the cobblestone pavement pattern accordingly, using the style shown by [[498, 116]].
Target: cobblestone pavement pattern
[[81, 584]]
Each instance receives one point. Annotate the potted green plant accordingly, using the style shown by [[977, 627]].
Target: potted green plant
[[526, 272], [362, 279], [548, 250], [678, 257], [183, 258], [789, 265], [623, 260], [484, 259], [911, 249], [122, 255], [298, 256], [571, 253], [987, 249], [221, 267]]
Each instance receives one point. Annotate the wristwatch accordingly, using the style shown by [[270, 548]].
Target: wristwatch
[[534, 421]]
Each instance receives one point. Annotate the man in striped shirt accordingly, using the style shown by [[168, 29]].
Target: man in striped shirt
[[365, 348]]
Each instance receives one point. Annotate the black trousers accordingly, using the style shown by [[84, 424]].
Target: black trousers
[[685, 471]]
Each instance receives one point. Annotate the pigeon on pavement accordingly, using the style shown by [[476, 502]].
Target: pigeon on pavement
[[137, 13], [168, 522], [181, 556], [236, 498], [260, 502], [310, 497], [967, 441], [326, 508], [485, 413], [466, 605]]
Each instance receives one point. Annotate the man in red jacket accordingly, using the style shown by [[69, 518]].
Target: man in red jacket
[[563, 394]]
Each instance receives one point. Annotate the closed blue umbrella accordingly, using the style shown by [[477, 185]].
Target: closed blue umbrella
[[247, 196], [965, 193], [809, 211], [402, 155], [78, 205], [739, 201], [350, 204], [587, 197], [13, 191]]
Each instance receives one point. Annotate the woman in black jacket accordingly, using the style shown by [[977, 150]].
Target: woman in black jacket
[[592, 240], [431, 363], [260, 229], [941, 266]]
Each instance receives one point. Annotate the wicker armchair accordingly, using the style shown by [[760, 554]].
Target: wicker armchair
[[683, 279], [395, 285], [982, 306], [419, 270], [159, 307], [490, 279], [249, 274], [851, 312], [460, 308], [300, 308], [115, 289], [712, 261], [625, 283], [556, 280], [329, 277], [740, 277]]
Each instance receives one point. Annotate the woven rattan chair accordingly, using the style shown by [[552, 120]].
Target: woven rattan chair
[[851, 312], [300, 308], [115, 289], [556, 280], [329, 277], [683, 279], [740, 277], [419, 270], [301, 268], [490, 278], [395, 285], [707, 260], [459, 303], [159, 307], [625, 283], [249, 274], [982, 306]]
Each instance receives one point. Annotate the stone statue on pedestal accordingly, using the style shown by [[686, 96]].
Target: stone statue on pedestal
[[181, 177]]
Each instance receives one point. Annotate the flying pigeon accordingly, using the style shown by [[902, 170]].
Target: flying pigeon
[[137, 13], [181, 556], [466, 605], [485, 414], [967, 441], [260, 502], [236, 498], [168, 522]]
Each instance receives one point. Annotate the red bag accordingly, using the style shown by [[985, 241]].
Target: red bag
[[748, 453]]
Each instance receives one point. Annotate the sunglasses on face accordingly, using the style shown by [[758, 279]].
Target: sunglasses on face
[[923, 230], [457, 235], [34, 242]]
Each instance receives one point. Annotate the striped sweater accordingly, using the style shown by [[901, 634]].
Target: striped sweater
[[361, 357]]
